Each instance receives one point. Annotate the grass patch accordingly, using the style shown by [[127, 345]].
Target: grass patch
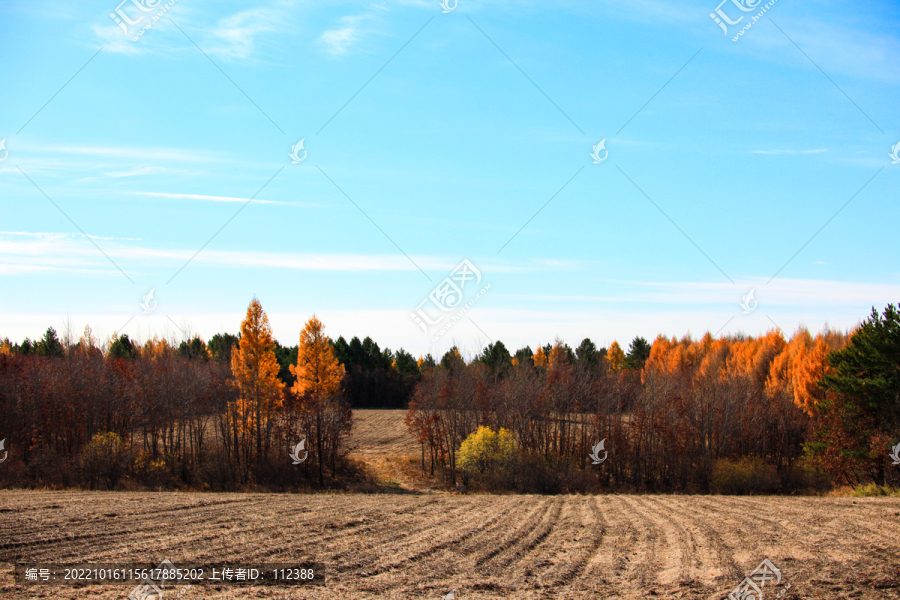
[[873, 490]]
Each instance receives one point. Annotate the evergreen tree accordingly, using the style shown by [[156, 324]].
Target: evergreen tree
[[122, 347], [638, 353], [49, 345], [286, 356], [497, 358], [587, 352], [220, 346], [193, 350], [524, 357], [452, 361], [861, 408], [406, 365]]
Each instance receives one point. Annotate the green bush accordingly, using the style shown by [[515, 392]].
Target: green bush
[[748, 475]]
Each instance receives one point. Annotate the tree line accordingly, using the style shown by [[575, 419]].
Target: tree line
[[733, 414], [221, 415]]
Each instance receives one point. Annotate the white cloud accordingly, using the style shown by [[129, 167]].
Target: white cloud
[[788, 151], [115, 41], [781, 294], [235, 35], [215, 198], [22, 252], [338, 41], [141, 153], [140, 171]]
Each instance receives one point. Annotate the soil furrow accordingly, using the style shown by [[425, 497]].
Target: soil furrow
[[403, 547]]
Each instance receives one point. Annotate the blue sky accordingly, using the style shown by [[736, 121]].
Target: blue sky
[[433, 137]]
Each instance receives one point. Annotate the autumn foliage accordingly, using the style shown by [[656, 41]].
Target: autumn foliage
[[250, 418], [164, 414], [668, 420], [321, 412], [733, 414]]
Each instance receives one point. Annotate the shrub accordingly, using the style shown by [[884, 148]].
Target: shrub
[[155, 472], [748, 475], [873, 489], [488, 457], [537, 476], [805, 477], [104, 460]]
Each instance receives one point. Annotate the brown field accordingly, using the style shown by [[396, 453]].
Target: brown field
[[423, 545], [418, 544], [388, 453], [380, 433]]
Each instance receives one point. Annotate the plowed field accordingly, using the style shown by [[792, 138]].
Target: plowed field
[[424, 545]]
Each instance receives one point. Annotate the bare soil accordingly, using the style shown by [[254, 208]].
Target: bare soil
[[424, 545], [419, 544]]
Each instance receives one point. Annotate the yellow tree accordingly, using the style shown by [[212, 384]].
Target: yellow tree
[[318, 371], [808, 373], [559, 358], [255, 371], [615, 356], [319, 376], [540, 359]]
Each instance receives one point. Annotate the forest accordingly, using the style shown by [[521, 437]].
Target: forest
[[735, 414]]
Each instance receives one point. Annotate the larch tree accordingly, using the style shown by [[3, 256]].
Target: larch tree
[[540, 358], [255, 371], [319, 375], [811, 368], [615, 356]]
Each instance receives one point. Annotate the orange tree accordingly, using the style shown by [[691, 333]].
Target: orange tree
[[326, 416], [255, 372]]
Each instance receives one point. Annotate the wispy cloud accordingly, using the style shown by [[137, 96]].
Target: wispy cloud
[[217, 198], [235, 36], [54, 235], [846, 48], [338, 41], [140, 171], [22, 252], [817, 151], [174, 154], [780, 292], [115, 41]]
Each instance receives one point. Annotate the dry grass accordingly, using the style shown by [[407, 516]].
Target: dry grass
[[423, 545], [386, 450], [381, 433]]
